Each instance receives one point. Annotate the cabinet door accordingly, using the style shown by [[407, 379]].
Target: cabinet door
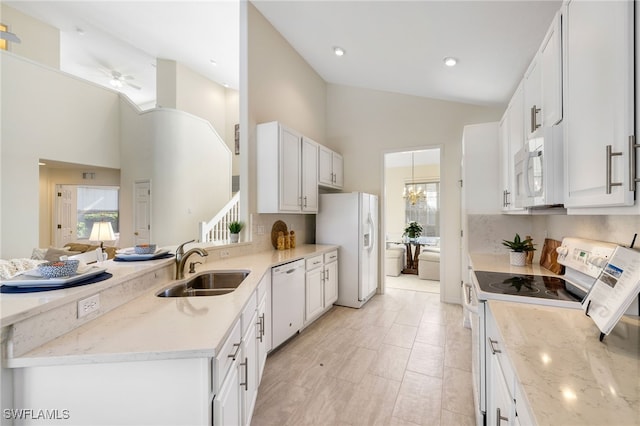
[[227, 404], [290, 170], [515, 143], [599, 96], [505, 173], [551, 73], [338, 170], [309, 175], [533, 97], [249, 370], [330, 283], [314, 298], [325, 166], [262, 337]]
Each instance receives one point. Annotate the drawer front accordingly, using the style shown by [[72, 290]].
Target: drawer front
[[332, 256], [265, 283], [314, 262], [230, 349], [248, 311]]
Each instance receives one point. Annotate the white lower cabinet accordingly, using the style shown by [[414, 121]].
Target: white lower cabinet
[[505, 402], [227, 405], [330, 278], [314, 298], [321, 285], [249, 369]]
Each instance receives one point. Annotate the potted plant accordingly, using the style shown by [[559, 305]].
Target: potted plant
[[519, 249], [234, 228], [413, 230]]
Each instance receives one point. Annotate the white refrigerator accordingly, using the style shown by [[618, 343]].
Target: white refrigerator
[[350, 220]]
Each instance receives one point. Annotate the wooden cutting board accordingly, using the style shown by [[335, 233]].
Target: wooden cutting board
[[549, 256]]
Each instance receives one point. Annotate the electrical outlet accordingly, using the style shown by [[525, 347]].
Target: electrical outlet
[[224, 253], [88, 305]]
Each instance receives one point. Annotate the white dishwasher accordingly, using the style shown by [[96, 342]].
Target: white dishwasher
[[287, 300]]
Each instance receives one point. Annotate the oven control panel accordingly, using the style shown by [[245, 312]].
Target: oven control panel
[[585, 256]]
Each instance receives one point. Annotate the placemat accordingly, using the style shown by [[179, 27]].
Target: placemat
[[95, 279], [166, 256]]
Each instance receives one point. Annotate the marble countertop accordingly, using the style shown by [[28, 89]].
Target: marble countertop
[[567, 375], [151, 327], [500, 263], [20, 306]]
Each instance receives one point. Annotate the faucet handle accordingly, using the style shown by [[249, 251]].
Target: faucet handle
[[180, 249]]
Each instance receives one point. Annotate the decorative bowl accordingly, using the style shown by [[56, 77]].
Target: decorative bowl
[[145, 248], [59, 268]]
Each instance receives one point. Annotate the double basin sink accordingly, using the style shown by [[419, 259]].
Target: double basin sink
[[214, 283]]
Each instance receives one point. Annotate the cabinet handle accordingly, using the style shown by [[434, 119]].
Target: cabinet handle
[[493, 349], [326, 271], [499, 417], [610, 155], [235, 354], [507, 198], [534, 117], [632, 163], [260, 325], [305, 201], [246, 374]]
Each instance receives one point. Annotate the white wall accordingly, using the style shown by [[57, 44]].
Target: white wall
[[47, 115], [189, 167], [363, 124], [40, 42], [281, 87]]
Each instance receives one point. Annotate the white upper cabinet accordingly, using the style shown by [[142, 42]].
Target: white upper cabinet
[[550, 57], [287, 170], [330, 170], [543, 82], [533, 97], [512, 140], [599, 103]]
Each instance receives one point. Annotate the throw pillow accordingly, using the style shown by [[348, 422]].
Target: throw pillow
[[54, 254]]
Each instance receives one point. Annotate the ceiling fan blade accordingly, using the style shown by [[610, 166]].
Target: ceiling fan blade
[[132, 85]]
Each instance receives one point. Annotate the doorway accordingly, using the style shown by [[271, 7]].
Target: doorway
[[411, 182]]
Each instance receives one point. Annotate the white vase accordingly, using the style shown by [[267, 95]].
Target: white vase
[[518, 258], [234, 238]]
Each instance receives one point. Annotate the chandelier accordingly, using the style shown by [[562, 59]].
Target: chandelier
[[411, 192]]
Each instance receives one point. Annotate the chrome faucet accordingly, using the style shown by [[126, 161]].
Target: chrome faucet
[[181, 257]]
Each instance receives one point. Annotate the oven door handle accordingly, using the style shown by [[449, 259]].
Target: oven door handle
[[466, 298]]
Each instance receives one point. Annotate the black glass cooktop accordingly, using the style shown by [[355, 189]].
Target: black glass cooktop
[[528, 285]]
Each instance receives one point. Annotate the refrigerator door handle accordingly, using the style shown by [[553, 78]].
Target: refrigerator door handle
[[371, 232]]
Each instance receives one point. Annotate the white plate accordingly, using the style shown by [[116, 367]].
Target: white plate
[[32, 281], [134, 256]]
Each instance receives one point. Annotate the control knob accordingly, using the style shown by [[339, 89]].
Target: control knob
[[562, 251]]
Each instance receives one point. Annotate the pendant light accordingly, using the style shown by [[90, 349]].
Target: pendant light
[[412, 194]]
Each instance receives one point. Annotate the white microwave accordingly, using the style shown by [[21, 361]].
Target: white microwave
[[539, 177]]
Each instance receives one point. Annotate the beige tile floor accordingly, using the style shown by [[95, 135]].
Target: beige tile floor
[[403, 359]]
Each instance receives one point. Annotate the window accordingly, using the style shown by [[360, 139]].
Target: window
[[426, 210], [96, 204]]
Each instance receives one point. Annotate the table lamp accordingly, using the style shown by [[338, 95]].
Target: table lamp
[[102, 231]]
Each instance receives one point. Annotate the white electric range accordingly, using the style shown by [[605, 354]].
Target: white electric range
[[583, 259]]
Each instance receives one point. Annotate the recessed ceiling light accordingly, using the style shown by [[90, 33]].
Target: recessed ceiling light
[[40, 163], [339, 51], [450, 62], [225, 84], [214, 63]]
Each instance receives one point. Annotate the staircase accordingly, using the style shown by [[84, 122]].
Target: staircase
[[217, 229]]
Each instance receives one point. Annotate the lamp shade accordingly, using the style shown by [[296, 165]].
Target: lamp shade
[[102, 231]]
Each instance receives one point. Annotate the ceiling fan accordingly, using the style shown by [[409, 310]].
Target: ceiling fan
[[118, 80]]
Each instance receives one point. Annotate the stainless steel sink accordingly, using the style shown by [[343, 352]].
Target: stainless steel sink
[[213, 283]]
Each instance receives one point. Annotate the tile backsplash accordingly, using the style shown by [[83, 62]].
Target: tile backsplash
[[486, 232]]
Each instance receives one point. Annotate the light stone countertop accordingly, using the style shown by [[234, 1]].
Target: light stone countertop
[[150, 327], [500, 263], [16, 307], [567, 375]]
